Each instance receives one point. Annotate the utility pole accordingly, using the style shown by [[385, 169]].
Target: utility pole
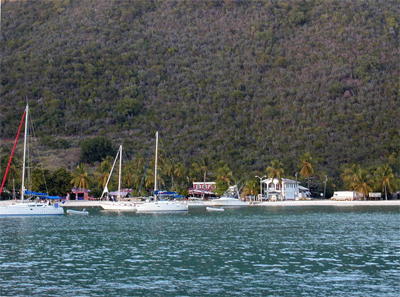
[[326, 178], [261, 178]]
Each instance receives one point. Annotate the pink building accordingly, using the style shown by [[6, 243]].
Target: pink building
[[203, 189]]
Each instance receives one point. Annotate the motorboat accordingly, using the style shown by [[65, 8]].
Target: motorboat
[[230, 198], [195, 202]]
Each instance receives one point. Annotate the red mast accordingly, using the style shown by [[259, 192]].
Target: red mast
[[12, 153]]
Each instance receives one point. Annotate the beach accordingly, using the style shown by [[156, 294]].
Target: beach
[[325, 202], [328, 202]]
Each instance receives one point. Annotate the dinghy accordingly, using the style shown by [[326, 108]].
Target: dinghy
[[214, 208], [83, 212]]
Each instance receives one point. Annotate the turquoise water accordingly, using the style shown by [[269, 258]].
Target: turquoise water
[[253, 251]]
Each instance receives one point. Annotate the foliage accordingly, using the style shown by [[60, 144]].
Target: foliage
[[96, 149], [81, 178], [275, 170], [245, 82], [385, 180]]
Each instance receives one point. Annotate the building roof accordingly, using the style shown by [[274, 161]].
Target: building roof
[[286, 180]]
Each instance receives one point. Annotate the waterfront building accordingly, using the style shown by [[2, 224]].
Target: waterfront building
[[288, 189], [203, 189], [79, 194]]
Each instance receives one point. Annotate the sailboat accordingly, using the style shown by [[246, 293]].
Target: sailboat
[[29, 208], [158, 205], [117, 205]]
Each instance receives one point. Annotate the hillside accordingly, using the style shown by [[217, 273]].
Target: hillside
[[241, 81]]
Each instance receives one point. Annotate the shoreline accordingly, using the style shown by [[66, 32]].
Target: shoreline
[[327, 202]]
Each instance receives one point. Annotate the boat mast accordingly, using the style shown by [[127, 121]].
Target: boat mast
[[155, 169], [109, 176], [119, 173], [24, 159]]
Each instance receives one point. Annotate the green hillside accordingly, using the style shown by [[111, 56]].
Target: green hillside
[[245, 82]]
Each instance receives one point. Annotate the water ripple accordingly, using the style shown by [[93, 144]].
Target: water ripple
[[252, 251]]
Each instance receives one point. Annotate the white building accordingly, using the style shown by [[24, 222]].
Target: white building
[[288, 190]]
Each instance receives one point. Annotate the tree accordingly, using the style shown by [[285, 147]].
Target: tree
[[61, 182], [104, 171], [203, 167], [357, 179], [276, 170], [96, 149], [306, 167], [14, 174], [170, 170], [40, 180], [80, 177], [251, 187], [385, 179], [180, 172], [224, 178]]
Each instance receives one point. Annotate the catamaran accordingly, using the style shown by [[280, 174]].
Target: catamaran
[[26, 208], [157, 205]]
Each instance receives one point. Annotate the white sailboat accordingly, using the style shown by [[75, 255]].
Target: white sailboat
[[117, 205], [30, 208], [230, 198], [160, 205]]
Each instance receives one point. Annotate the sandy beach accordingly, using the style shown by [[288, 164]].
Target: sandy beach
[[96, 203], [332, 203]]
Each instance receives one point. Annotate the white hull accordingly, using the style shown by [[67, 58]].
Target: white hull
[[31, 209], [77, 212], [195, 203], [228, 202], [118, 206], [214, 208], [161, 206]]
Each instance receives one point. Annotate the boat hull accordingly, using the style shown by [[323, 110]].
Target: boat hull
[[118, 206], [161, 206], [214, 209], [31, 209], [77, 212], [229, 202]]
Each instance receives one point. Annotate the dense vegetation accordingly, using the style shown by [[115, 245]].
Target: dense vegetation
[[239, 83]]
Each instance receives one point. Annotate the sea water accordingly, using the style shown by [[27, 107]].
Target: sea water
[[250, 251]]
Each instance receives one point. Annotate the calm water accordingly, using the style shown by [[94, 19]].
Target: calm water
[[254, 251]]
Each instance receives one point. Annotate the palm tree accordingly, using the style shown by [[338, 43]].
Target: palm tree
[[133, 174], [104, 171], [357, 179], [275, 171], [170, 170], [251, 187], [385, 179], [348, 174], [179, 170], [203, 167], [80, 177], [149, 179], [306, 167], [224, 177]]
